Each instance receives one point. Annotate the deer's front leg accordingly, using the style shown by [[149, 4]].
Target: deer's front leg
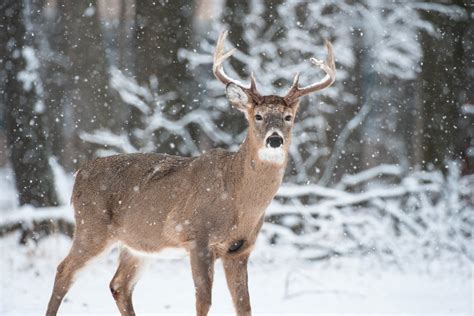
[[202, 265], [235, 268]]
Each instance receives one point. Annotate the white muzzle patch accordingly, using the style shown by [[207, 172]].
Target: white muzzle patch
[[271, 154], [274, 155]]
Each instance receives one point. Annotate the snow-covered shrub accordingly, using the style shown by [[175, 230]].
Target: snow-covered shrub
[[421, 216], [156, 125]]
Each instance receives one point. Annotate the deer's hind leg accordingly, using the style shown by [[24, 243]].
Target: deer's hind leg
[[84, 248], [124, 280]]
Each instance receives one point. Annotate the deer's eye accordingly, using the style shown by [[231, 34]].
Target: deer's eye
[[258, 117], [288, 118]]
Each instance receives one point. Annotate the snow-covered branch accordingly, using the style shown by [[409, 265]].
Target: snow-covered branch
[[422, 214]]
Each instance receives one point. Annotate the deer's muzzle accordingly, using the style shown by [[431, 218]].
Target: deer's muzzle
[[274, 140]]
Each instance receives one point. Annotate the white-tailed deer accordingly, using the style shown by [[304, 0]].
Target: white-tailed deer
[[212, 205]]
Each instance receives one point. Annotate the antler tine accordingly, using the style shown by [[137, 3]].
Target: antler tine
[[296, 80], [328, 66], [294, 86], [219, 57], [253, 84]]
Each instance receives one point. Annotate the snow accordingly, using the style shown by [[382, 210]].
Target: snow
[[389, 239], [107, 138], [90, 11], [292, 190], [7, 187], [320, 272], [380, 170], [28, 214], [422, 216], [283, 278], [278, 285], [468, 109], [130, 91], [30, 76]]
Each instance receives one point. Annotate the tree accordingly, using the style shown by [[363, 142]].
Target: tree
[[89, 104], [24, 106], [444, 83], [162, 28], [50, 22]]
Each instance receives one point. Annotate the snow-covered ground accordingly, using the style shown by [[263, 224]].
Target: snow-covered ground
[[280, 281], [278, 286]]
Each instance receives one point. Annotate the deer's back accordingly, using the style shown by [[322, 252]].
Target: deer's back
[[105, 184]]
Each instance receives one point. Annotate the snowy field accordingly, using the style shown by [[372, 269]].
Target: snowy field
[[279, 286]]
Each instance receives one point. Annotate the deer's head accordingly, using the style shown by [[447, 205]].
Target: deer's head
[[271, 118]]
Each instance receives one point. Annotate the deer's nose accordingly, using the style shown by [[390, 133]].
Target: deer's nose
[[274, 140]]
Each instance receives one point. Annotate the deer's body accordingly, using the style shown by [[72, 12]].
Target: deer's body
[[152, 201], [212, 205]]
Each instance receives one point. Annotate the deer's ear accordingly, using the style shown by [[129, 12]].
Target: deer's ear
[[237, 97]]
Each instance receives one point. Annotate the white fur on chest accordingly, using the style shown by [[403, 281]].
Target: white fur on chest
[[273, 155]]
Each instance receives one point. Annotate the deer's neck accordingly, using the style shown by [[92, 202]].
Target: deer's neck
[[259, 178]]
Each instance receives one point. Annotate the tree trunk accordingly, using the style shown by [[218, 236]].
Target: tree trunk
[[443, 78], [162, 28], [54, 76], [24, 105], [89, 105]]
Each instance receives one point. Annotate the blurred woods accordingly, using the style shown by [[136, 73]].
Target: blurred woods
[[381, 160]]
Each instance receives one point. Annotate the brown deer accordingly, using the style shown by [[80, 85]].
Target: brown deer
[[212, 205]]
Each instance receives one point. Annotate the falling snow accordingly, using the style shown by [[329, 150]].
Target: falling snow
[[376, 208]]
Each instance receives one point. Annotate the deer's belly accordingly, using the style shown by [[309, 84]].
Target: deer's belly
[[152, 227], [162, 253]]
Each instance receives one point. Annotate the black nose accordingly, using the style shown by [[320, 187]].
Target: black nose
[[274, 140]]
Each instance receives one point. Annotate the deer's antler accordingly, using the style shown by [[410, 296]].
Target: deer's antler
[[329, 66], [219, 57]]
